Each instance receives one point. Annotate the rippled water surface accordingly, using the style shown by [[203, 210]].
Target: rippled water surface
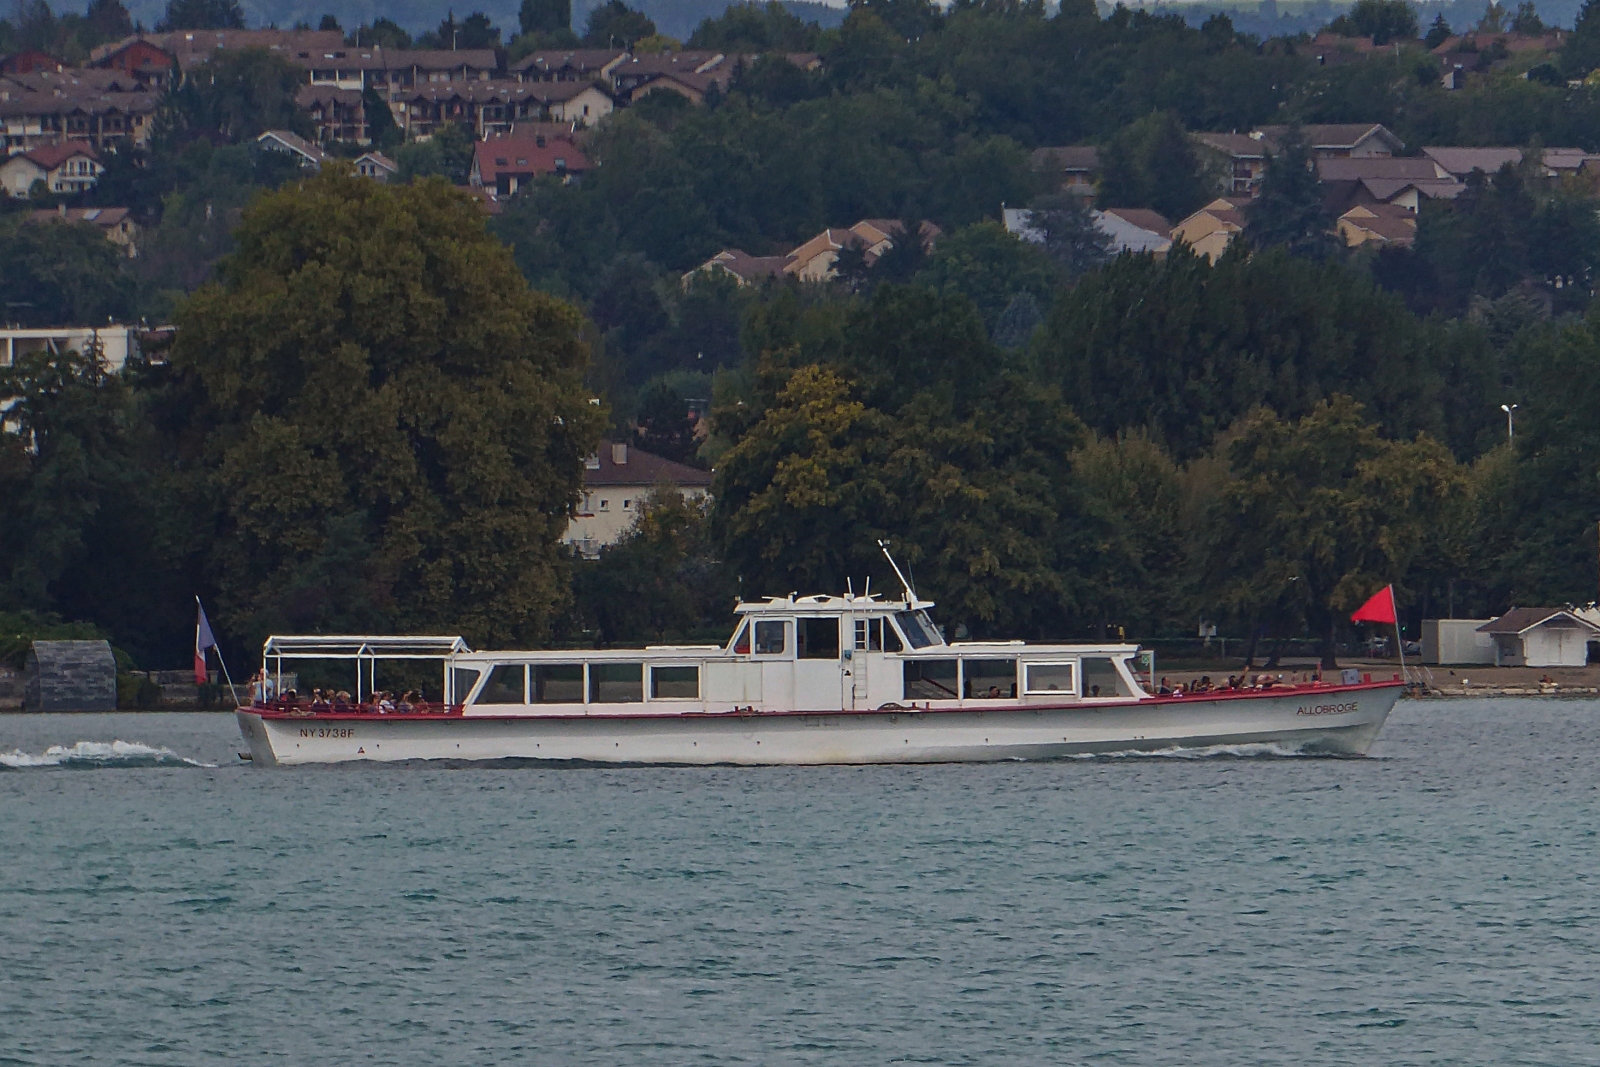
[[162, 904]]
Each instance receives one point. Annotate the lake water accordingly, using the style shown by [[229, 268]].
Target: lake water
[[1435, 904]]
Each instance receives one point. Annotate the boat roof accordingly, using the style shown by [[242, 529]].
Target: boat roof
[[363, 646], [788, 605]]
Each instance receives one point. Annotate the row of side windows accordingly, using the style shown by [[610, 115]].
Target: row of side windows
[[815, 638], [563, 683]]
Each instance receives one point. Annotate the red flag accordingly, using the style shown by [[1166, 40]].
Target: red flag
[[1379, 609]]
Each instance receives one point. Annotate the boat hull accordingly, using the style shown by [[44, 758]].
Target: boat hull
[[1332, 720]]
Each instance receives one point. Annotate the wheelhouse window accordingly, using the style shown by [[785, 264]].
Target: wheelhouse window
[[558, 683], [817, 638], [988, 679], [919, 631], [1101, 678], [674, 683], [505, 685], [772, 637], [616, 683], [876, 635], [1049, 678], [931, 679], [741, 641]]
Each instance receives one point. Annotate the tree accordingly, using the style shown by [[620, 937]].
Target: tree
[[1150, 163], [1071, 237], [1527, 20], [756, 27], [61, 274], [545, 16], [202, 15], [447, 154], [1321, 512], [1581, 53], [1438, 33], [236, 95], [615, 25], [108, 20], [1494, 19], [393, 422], [384, 32], [1382, 20], [664, 425], [990, 267], [1289, 210]]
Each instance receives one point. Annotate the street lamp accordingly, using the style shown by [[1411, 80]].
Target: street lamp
[[1511, 425]]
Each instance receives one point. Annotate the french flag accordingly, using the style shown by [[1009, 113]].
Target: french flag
[[203, 640]]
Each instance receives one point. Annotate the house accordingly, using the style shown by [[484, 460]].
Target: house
[[1237, 160], [1541, 637], [114, 222], [1456, 641], [1378, 225], [116, 344], [742, 267], [69, 676], [1069, 169], [1457, 163], [336, 114], [1347, 182], [585, 65], [139, 58], [47, 107], [1134, 229], [309, 155], [1347, 140], [507, 162], [615, 481], [29, 60], [1019, 223], [63, 168], [377, 166], [491, 107], [1210, 230], [814, 260]]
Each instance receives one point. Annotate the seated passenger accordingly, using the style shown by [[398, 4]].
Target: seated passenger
[[385, 702], [341, 699], [319, 700], [404, 707]]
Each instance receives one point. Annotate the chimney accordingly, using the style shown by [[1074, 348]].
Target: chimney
[[619, 455]]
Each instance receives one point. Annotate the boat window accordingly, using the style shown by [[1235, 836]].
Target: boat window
[[1101, 678], [462, 682], [741, 640], [616, 683], [772, 637], [891, 639], [869, 635], [988, 679], [558, 683], [1049, 677], [918, 630], [674, 683], [817, 638], [930, 679], [505, 685]]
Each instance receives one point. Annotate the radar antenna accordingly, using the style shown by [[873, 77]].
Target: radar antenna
[[911, 594]]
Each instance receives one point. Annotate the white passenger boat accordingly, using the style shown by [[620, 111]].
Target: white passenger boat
[[803, 680]]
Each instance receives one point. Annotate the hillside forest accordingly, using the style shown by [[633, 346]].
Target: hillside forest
[[374, 413]]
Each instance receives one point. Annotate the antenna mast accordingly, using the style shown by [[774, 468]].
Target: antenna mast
[[911, 594]]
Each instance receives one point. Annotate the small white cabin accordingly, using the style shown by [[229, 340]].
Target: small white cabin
[[1541, 637]]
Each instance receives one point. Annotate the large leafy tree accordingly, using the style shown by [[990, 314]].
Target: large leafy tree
[[1321, 512], [545, 16], [1382, 20], [1290, 210], [616, 25], [1151, 164], [61, 274], [202, 15], [394, 423], [236, 95]]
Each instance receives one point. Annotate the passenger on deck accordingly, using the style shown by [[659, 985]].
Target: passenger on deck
[[405, 706], [385, 702], [341, 700], [319, 700], [1165, 690]]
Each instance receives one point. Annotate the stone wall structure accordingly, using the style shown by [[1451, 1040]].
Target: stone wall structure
[[69, 676]]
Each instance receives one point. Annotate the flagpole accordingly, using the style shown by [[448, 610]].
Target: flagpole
[[1399, 639], [231, 690]]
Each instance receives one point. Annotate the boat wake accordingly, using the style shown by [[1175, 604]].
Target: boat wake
[[91, 755], [1255, 750]]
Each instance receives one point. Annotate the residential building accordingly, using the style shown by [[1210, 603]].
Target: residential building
[[29, 60], [1554, 162], [115, 222], [377, 166], [1134, 229], [507, 162], [309, 155], [140, 58], [115, 343], [742, 267], [64, 169], [1235, 160], [616, 480], [1347, 182], [1541, 637], [1378, 225], [496, 106], [336, 114], [1210, 230], [585, 65], [188, 49], [1070, 169], [49, 107], [1347, 140]]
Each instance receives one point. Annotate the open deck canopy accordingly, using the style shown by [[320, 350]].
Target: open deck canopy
[[364, 649]]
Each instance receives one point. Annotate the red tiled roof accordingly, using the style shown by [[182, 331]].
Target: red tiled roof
[[520, 155], [51, 156], [642, 468]]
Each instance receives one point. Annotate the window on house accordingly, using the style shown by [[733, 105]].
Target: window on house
[[605, 505], [627, 505]]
